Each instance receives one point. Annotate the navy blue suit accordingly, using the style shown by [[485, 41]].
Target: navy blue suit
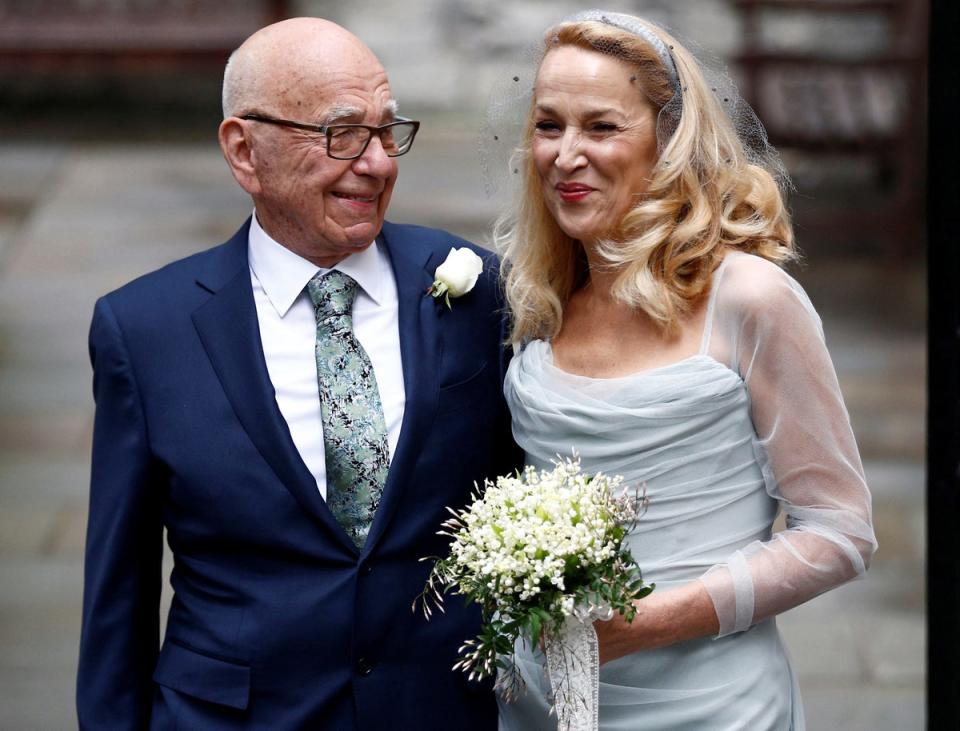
[[277, 620]]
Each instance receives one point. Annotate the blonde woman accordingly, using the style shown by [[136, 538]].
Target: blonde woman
[[660, 338]]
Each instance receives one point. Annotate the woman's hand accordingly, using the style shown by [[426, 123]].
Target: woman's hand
[[663, 618], [615, 637]]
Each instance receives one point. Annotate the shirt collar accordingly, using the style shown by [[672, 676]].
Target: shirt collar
[[284, 274]]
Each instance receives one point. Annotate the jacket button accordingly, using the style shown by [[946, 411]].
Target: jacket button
[[364, 667], [367, 568]]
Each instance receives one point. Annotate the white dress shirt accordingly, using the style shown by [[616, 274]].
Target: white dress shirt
[[288, 331]]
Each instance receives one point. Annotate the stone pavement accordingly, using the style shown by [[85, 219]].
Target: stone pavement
[[78, 220]]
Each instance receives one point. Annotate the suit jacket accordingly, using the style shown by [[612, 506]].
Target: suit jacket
[[277, 620]]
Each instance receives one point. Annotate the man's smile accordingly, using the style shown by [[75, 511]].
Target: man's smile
[[360, 198]]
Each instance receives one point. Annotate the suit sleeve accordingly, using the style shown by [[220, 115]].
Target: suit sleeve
[[509, 454], [122, 568]]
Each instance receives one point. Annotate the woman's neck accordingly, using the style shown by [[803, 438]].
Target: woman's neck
[[600, 276]]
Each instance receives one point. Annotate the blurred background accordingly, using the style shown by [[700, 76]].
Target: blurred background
[[109, 167]]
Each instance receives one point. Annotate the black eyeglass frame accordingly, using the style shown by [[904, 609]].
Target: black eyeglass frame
[[327, 129]]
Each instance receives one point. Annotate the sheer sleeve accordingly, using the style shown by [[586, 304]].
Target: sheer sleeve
[[765, 328]]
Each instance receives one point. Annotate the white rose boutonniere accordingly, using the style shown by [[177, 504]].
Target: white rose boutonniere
[[457, 275]]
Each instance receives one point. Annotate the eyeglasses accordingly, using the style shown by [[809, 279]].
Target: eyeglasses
[[349, 141]]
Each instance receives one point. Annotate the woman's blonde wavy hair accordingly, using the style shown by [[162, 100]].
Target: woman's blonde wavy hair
[[704, 197]]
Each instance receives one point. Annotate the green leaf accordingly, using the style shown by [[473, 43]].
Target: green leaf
[[534, 627]]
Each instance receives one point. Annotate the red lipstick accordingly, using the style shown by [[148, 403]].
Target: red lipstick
[[573, 192]]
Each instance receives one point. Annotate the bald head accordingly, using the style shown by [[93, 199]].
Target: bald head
[[285, 81], [289, 55]]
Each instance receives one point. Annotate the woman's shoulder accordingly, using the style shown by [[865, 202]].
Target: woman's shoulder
[[749, 283], [751, 272], [756, 289]]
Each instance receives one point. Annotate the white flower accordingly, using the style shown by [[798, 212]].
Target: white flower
[[519, 537], [538, 545], [457, 275]]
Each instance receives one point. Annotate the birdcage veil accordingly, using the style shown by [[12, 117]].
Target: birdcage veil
[[684, 63]]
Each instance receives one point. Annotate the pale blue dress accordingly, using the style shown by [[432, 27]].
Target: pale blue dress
[[750, 425]]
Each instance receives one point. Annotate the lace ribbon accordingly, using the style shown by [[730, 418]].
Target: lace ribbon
[[573, 667]]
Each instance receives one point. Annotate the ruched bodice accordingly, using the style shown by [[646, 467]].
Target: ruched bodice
[[692, 435], [681, 432]]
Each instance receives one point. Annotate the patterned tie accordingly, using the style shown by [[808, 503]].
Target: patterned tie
[[354, 430]]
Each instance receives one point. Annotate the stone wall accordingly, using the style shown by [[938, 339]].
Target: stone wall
[[446, 54]]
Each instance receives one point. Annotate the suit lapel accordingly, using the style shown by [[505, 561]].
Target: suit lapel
[[228, 327], [421, 347]]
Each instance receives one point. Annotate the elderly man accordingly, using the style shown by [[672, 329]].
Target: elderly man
[[297, 412]]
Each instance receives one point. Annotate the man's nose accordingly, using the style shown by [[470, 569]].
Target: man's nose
[[374, 160]]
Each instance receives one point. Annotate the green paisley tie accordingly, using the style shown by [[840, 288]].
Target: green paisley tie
[[354, 429]]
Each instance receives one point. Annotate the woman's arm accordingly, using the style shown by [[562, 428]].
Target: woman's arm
[[771, 335], [766, 329], [663, 618]]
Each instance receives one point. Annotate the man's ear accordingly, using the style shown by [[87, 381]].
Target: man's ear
[[237, 147]]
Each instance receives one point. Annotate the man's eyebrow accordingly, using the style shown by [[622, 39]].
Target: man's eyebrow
[[340, 112]]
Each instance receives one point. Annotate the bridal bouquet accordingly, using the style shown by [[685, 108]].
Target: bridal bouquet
[[542, 554]]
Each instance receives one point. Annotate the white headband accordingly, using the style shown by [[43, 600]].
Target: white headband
[[638, 28]]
